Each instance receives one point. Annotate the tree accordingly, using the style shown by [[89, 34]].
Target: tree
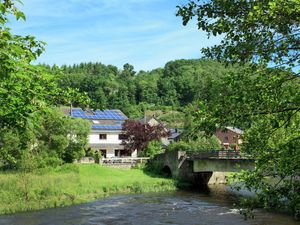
[[27, 93], [128, 71], [55, 139], [153, 148], [257, 31], [138, 135], [262, 100]]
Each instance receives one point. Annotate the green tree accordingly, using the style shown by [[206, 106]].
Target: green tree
[[27, 93], [263, 100], [256, 31], [128, 71], [78, 131], [55, 139], [153, 148]]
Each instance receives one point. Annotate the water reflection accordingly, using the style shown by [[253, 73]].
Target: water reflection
[[156, 208]]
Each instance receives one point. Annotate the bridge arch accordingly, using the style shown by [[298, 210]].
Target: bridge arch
[[166, 170]]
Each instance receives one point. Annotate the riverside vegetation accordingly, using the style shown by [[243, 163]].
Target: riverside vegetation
[[72, 184]]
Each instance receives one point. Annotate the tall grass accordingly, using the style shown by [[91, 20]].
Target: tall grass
[[72, 184]]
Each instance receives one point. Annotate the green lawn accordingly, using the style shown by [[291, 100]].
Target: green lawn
[[72, 184]]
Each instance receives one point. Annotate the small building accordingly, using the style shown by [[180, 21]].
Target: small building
[[174, 135], [230, 137], [106, 131], [149, 120]]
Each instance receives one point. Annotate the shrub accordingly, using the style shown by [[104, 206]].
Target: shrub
[[200, 144], [152, 149]]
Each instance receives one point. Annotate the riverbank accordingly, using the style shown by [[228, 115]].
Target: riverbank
[[72, 184]]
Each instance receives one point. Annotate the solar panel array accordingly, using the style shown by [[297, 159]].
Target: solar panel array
[[106, 127], [99, 114]]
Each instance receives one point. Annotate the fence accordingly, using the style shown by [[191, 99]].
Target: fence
[[216, 154], [130, 161]]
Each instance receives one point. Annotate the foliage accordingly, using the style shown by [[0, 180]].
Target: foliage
[[56, 139], [62, 137], [139, 134], [258, 31], [10, 146], [153, 148], [176, 85], [179, 146], [31, 132], [97, 155], [202, 143], [260, 99], [22, 88]]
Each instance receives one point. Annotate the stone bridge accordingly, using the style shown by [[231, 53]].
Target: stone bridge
[[201, 168]]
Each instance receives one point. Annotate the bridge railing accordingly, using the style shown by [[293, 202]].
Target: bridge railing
[[229, 154], [121, 160], [216, 154]]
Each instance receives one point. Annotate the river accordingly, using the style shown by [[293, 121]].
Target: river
[[154, 208]]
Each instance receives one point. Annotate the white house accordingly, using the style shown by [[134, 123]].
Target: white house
[[106, 133]]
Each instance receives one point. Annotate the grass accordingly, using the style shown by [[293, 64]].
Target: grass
[[72, 184]]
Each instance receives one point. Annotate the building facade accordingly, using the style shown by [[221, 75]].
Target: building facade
[[230, 137], [106, 131]]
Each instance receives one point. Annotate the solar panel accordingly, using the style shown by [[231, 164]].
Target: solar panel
[[99, 114], [106, 127]]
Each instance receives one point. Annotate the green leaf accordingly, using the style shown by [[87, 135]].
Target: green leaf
[[20, 15]]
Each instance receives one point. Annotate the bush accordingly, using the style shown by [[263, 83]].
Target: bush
[[98, 157], [200, 144], [10, 148], [152, 149], [179, 146]]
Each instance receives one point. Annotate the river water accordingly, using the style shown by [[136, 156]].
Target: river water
[[155, 208]]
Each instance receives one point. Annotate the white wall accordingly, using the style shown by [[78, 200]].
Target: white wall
[[111, 138]]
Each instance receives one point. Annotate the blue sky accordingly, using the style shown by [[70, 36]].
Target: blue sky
[[144, 33]]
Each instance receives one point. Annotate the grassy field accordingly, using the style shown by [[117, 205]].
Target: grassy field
[[72, 184]]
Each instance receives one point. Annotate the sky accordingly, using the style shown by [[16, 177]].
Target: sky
[[144, 33]]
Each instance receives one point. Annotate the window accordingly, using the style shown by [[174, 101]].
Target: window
[[102, 136], [225, 139], [122, 136]]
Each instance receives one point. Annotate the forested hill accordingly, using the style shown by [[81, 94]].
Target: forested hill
[[176, 85]]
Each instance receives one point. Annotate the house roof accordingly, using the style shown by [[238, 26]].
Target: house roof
[[235, 130], [146, 119], [174, 133], [109, 119], [107, 114]]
